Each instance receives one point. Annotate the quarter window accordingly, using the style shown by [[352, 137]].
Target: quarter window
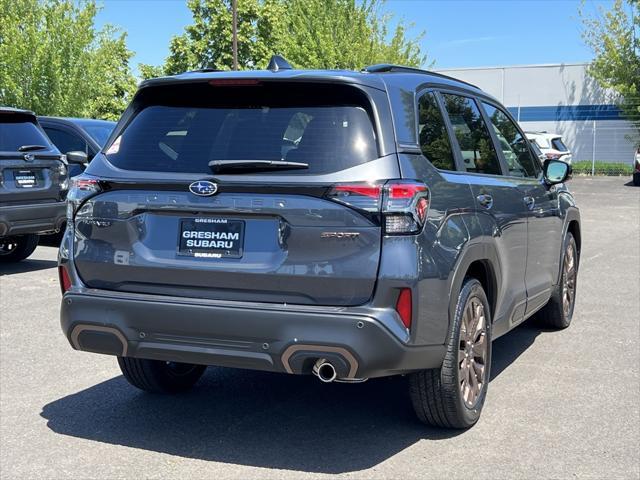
[[478, 152], [517, 154], [432, 133]]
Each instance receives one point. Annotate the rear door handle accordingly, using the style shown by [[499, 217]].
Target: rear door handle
[[530, 202], [485, 200]]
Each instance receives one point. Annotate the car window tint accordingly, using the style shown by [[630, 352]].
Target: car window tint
[[15, 134], [432, 133], [476, 145], [518, 156], [559, 145], [327, 128], [66, 141]]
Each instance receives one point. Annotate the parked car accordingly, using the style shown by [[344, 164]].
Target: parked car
[[536, 150], [551, 145], [636, 168], [317, 222], [33, 184], [77, 134]]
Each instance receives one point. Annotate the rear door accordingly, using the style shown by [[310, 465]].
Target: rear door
[[31, 170], [168, 223], [544, 225], [499, 204]]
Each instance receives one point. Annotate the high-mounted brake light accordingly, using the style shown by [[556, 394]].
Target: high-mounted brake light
[[404, 306], [234, 82]]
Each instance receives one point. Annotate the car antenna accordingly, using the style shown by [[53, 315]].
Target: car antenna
[[278, 63]]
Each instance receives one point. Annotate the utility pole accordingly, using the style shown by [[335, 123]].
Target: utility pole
[[234, 28]]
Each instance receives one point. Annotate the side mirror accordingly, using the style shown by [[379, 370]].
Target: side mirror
[[77, 157], [556, 171]]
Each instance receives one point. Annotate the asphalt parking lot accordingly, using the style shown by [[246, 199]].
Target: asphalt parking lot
[[560, 404]]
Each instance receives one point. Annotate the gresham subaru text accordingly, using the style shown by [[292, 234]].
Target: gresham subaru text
[[344, 224]]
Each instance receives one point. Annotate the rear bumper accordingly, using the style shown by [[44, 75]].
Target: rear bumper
[[276, 338], [36, 218]]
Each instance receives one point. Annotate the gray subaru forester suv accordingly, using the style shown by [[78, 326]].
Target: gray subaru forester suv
[[33, 184], [346, 224]]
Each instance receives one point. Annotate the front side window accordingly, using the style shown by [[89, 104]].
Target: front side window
[[432, 133], [478, 153], [517, 154]]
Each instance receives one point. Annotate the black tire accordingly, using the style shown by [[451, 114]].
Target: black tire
[[156, 376], [437, 394], [636, 179], [553, 314], [14, 249]]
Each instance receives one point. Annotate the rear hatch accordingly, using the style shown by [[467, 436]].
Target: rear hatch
[[31, 169], [186, 203]]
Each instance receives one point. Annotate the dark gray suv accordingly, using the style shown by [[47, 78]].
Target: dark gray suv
[[33, 184], [346, 224]]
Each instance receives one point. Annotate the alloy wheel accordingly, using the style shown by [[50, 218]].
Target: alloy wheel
[[472, 352], [569, 280]]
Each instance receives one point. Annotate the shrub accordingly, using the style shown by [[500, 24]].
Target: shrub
[[602, 168]]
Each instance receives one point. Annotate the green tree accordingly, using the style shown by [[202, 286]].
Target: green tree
[[309, 33], [614, 37], [55, 62]]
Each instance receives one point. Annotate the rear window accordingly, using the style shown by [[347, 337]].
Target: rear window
[[559, 145], [15, 134], [182, 128]]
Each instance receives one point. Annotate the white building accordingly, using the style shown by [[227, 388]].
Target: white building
[[560, 99]]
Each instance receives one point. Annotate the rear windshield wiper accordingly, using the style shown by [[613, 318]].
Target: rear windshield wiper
[[31, 148], [255, 165]]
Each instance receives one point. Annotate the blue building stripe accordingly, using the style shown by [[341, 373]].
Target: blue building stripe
[[564, 113]]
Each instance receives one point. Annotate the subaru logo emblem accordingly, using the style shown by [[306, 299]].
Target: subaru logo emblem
[[29, 157], [203, 188]]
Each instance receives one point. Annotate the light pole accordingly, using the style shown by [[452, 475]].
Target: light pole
[[234, 28]]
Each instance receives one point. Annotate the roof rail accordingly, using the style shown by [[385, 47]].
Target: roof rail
[[387, 67], [278, 63]]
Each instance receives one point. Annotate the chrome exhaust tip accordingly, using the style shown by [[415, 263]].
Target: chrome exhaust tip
[[324, 370]]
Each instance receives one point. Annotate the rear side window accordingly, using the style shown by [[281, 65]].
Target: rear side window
[[478, 153], [15, 134], [559, 145], [432, 133], [515, 150], [182, 129]]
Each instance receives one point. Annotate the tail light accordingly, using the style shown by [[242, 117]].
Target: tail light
[[404, 306], [63, 277], [552, 156], [404, 204], [81, 188]]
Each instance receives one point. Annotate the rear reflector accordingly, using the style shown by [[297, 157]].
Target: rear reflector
[[404, 306], [65, 281]]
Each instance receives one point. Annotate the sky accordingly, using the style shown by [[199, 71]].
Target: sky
[[458, 33]]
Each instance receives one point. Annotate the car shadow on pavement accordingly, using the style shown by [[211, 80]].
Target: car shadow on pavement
[[26, 266], [263, 419], [252, 418]]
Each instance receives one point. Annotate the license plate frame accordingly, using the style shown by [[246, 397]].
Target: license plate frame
[[25, 179], [211, 237]]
